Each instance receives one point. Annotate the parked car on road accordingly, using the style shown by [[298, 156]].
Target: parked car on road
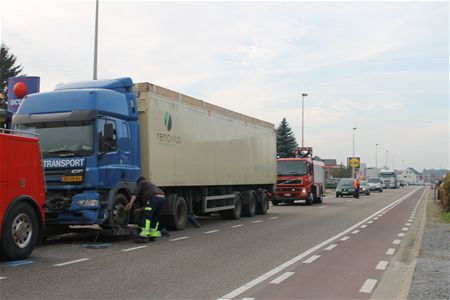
[[375, 184], [364, 188], [346, 188]]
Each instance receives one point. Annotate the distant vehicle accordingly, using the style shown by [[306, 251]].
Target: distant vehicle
[[390, 179], [300, 178], [401, 183], [22, 191], [364, 188], [331, 183], [375, 184], [371, 172], [346, 188]]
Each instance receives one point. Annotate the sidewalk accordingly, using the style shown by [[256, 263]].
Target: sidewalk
[[431, 279]]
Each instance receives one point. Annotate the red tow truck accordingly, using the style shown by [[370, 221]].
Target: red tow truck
[[300, 178], [22, 194]]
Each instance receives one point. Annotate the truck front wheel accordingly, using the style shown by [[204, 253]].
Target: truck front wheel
[[20, 232]]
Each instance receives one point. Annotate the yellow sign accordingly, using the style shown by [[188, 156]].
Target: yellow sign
[[72, 178], [354, 162]]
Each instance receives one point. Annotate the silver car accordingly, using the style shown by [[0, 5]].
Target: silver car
[[375, 184]]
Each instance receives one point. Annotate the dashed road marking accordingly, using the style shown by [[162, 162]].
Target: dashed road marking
[[323, 206], [408, 224], [390, 251], [410, 220], [2, 278], [71, 262], [355, 231], [368, 286], [212, 231], [405, 229], [258, 221], [236, 226], [273, 218], [331, 247], [370, 222], [179, 239], [375, 218], [282, 277], [349, 200], [401, 234], [396, 242], [345, 238], [246, 298], [311, 259], [363, 226], [134, 248], [381, 265]]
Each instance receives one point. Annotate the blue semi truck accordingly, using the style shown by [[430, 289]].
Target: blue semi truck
[[97, 137]]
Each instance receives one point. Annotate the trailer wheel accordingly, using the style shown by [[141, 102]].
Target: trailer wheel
[[20, 232], [234, 213], [263, 206], [249, 209], [179, 219]]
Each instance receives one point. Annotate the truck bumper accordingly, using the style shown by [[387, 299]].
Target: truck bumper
[[84, 210]]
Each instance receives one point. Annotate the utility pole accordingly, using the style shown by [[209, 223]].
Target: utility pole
[[386, 159], [96, 40], [353, 164], [376, 157], [303, 115]]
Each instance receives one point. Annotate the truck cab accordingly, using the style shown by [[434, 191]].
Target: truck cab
[[299, 178], [90, 145]]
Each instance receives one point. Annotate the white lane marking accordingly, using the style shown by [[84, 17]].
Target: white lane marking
[[375, 218], [408, 224], [363, 226], [282, 277], [2, 278], [331, 247], [179, 239], [381, 265], [410, 220], [292, 261], [259, 221], [71, 262], [273, 218], [134, 248], [323, 206], [396, 242], [236, 226], [370, 222], [405, 229], [212, 231], [246, 298], [401, 234], [311, 259], [355, 231], [379, 216], [368, 286], [349, 200], [390, 251], [345, 238]]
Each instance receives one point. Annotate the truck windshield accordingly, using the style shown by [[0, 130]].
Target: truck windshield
[[374, 180], [386, 175], [63, 139], [291, 167]]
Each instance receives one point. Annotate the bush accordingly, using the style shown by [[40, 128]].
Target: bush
[[444, 193]]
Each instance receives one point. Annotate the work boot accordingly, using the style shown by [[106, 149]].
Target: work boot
[[154, 233]]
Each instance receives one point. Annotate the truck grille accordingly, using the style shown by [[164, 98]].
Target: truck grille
[[55, 177]]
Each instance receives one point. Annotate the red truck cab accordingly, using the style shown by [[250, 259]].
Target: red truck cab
[[299, 178], [22, 195]]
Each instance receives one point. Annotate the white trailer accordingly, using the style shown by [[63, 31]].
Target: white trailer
[[206, 158]]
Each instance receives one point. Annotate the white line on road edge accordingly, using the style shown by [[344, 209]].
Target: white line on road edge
[[390, 251], [282, 277], [71, 262], [344, 238], [294, 260], [236, 226], [401, 234], [311, 259], [331, 247], [179, 239], [273, 218], [381, 265], [355, 231], [212, 231], [368, 286], [259, 221], [396, 242], [134, 248]]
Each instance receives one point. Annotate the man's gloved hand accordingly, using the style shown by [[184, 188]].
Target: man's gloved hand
[[128, 206]]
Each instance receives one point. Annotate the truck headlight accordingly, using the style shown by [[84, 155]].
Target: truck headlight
[[303, 190], [87, 202]]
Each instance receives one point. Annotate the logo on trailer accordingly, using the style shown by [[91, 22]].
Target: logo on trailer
[[168, 121]]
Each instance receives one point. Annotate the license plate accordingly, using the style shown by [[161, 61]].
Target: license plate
[[72, 178], [287, 195]]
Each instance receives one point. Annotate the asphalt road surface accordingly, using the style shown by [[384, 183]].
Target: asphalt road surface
[[336, 250]]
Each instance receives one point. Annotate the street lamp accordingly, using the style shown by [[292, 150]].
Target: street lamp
[[386, 159], [96, 40], [393, 161], [303, 114], [376, 157], [353, 164]]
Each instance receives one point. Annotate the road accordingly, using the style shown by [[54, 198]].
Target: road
[[339, 249]]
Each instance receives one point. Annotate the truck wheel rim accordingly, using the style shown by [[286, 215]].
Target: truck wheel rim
[[22, 230]]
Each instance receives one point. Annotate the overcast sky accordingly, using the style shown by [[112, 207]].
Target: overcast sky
[[382, 67]]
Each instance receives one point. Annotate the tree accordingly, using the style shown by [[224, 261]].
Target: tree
[[8, 68], [286, 142]]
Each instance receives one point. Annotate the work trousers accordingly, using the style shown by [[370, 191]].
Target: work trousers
[[152, 211]]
